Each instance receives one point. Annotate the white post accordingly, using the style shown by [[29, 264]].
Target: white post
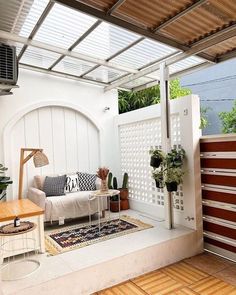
[[165, 136]]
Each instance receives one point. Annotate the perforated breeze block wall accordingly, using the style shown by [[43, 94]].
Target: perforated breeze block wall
[[140, 130], [136, 139]]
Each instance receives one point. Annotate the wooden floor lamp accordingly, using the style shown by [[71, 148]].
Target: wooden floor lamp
[[39, 158]]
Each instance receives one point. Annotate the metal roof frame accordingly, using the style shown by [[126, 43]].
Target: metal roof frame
[[77, 5], [37, 26], [130, 74], [196, 48]]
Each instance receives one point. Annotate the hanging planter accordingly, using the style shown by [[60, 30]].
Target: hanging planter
[[155, 162], [157, 157], [159, 184], [158, 177], [172, 186], [173, 177]]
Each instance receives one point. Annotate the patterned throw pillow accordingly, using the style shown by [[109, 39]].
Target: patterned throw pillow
[[72, 183], [54, 186], [87, 182]]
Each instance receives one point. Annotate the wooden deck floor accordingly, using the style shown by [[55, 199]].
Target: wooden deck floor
[[204, 274]]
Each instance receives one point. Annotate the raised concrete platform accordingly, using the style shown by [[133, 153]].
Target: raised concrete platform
[[107, 263]]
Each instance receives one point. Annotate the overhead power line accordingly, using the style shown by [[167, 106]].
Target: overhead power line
[[227, 78]]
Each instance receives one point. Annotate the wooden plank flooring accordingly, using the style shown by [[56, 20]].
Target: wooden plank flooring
[[178, 279]]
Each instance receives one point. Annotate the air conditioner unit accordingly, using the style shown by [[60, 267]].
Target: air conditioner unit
[[8, 65]]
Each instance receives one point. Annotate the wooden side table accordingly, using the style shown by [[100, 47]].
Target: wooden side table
[[26, 211]]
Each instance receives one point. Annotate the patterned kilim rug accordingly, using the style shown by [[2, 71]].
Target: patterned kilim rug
[[78, 236]]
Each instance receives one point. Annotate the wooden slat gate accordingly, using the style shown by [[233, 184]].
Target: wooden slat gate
[[218, 173]]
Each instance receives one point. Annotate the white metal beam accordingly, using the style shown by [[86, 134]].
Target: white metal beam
[[166, 135], [175, 75], [15, 38], [197, 47], [63, 75]]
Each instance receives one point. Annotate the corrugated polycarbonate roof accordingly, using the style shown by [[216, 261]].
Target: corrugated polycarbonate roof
[[105, 74], [32, 16], [73, 66], [105, 41], [63, 26], [143, 53], [39, 57], [78, 42], [185, 64]]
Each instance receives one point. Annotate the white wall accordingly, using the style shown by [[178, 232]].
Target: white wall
[[40, 94], [140, 130]]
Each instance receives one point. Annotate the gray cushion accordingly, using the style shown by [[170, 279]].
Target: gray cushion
[[54, 186]]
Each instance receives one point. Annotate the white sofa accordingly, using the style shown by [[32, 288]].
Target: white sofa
[[70, 205]]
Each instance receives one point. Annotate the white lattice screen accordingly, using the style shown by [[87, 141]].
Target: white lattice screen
[[136, 139]]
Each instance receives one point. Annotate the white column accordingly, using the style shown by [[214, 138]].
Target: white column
[[165, 136]]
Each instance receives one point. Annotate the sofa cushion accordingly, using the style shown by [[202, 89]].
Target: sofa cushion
[[54, 186], [87, 182], [72, 183], [39, 180]]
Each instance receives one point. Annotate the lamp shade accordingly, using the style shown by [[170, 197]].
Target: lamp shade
[[40, 159]]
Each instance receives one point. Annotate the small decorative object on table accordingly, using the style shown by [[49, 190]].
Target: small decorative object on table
[[102, 174], [16, 221]]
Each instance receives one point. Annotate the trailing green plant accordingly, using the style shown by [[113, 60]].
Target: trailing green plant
[[228, 120], [170, 172], [174, 175], [125, 181], [158, 176], [175, 158], [4, 180], [157, 153]]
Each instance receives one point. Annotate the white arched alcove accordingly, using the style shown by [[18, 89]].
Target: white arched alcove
[[69, 135]]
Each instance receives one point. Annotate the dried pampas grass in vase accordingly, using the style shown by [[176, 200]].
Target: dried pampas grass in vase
[[102, 174]]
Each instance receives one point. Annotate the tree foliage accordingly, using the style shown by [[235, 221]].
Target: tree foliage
[[228, 120], [129, 101], [204, 117]]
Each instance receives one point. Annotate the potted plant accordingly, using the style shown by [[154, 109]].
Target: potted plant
[[173, 177], [124, 193], [158, 176], [4, 182], [114, 200], [157, 157], [175, 158]]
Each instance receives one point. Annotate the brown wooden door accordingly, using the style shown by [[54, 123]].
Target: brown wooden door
[[218, 175]]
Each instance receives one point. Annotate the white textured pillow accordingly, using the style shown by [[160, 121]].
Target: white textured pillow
[[72, 183]]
